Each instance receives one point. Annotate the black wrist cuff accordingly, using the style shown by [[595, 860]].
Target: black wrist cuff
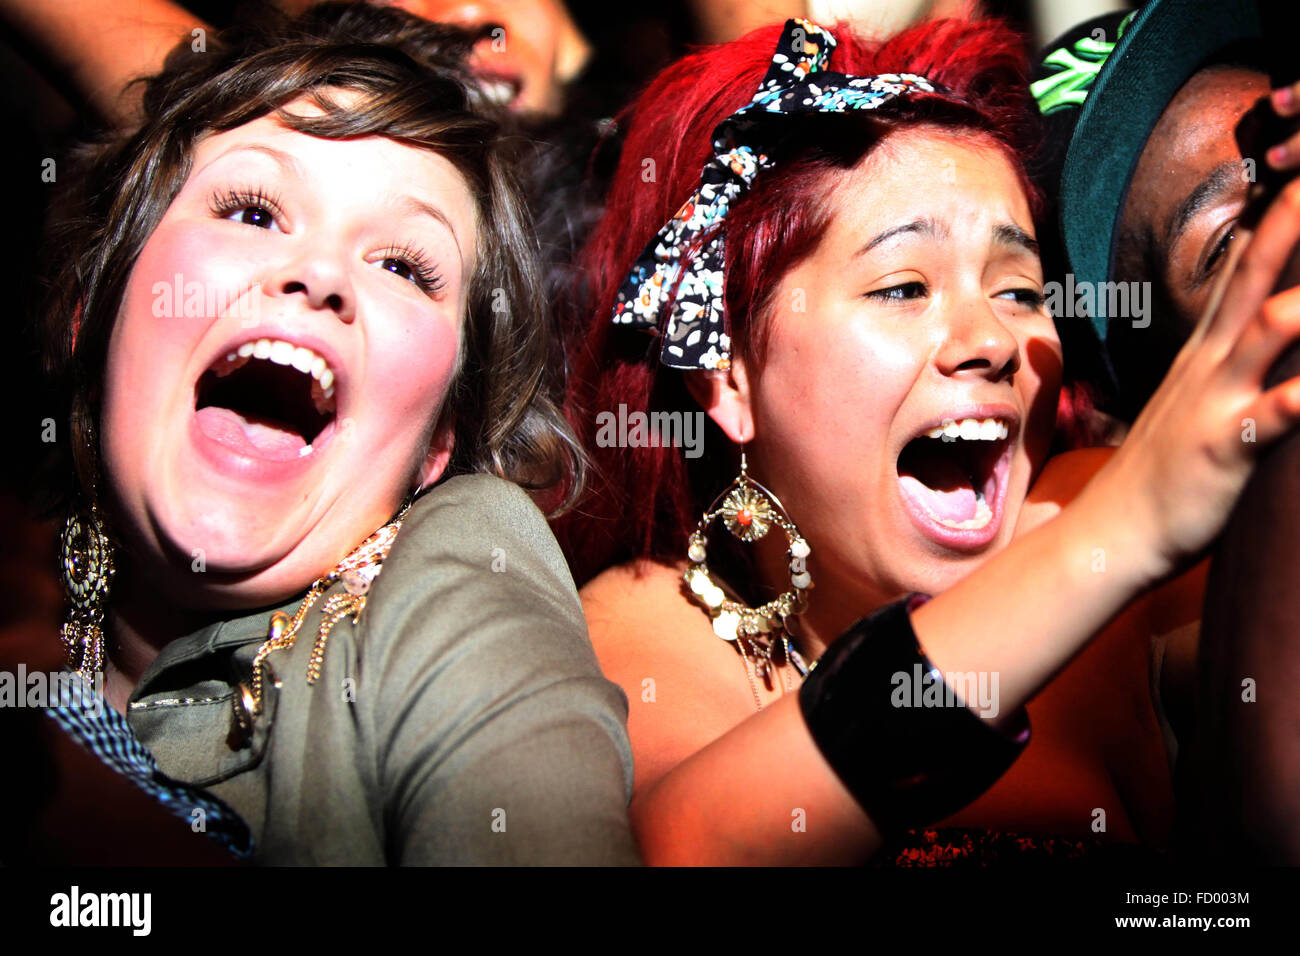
[[897, 735]]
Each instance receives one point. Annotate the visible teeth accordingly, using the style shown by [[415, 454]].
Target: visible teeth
[[281, 353], [971, 429], [232, 361], [304, 451], [499, 92], [297, 357]]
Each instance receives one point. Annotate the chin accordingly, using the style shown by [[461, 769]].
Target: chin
[[215, 563], [229, 541], [933, 569], [218, 535]]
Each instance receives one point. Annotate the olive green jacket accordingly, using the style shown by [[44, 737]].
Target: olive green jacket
[[462, 720]]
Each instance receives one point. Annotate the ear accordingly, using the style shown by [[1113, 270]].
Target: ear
[[439, 454], [725, 396]]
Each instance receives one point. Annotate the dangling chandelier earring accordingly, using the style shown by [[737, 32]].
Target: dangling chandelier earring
[[86, 566], [749, 511]]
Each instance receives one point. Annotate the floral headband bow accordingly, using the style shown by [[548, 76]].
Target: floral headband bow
[[796, 83]]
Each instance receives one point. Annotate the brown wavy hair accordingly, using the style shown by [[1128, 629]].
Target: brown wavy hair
[[416, 91]]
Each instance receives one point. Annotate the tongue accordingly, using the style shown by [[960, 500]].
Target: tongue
[[942, 487], [257, 438]]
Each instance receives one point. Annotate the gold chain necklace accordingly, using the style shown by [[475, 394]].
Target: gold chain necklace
[[769, 658], [357, 571]]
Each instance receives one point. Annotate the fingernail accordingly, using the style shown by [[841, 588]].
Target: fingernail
[[1283, 98], [1276, 156]]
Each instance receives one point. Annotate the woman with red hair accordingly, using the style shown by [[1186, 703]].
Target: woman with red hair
[[847, 296]]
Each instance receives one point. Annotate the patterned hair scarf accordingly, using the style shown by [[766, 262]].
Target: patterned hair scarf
[[684, 262]]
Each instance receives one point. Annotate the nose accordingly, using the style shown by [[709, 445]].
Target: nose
[[321, 278], [979, 343]]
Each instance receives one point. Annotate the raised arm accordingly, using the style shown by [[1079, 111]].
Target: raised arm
[[99, 46]]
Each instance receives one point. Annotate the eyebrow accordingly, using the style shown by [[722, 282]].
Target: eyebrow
[[1008, 234], [419, 207], [923, 227], [1207, 192], [286, 162], [1004, 234]]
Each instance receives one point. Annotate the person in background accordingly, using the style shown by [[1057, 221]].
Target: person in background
[[1156, 152], [529, 51]]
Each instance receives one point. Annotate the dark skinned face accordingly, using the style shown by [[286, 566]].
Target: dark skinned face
[[1184, 201], [1189, 189]]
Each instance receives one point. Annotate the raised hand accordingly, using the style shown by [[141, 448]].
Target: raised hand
[[1192, 449]]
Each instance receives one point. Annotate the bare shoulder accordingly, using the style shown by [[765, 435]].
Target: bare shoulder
[[629, 588], [1062, 478], [636, 612], [685, 687], [643, 626]]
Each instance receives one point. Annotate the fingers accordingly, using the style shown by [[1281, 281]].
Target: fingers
[[1219, 287], [1285, 155], [1262, 260], [1286, 102], [1273, 414], [1275, 328]]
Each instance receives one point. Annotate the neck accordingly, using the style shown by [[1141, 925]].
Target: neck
[[833, 604], [140, 625]]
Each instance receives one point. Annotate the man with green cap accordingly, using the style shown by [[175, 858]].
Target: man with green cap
[[1143, 164], [1144, 169]]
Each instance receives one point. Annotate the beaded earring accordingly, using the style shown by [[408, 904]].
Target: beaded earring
[[86, 570], [748, 510]]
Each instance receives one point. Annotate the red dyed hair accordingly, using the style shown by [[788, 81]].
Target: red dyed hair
[[643, 502]]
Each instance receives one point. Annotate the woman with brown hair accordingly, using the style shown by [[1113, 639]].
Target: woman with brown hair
[[298, 329]]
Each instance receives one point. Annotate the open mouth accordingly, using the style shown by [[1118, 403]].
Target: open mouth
[[268, 399], [498, 88], [953, 477]]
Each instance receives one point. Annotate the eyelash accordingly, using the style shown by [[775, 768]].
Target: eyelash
[[884, 295], [1027, 297], [423, 275], [227, 201], [1220, 248]]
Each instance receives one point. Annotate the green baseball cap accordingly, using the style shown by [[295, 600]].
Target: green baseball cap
[[1106, 89]]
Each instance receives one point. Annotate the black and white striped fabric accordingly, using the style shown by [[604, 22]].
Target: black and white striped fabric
[[105, 733]]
